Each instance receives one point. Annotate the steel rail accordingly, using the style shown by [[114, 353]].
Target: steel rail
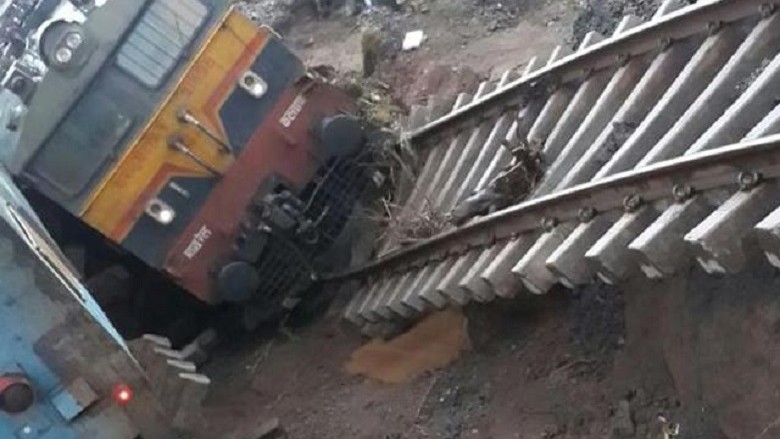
[[686, 22], [704, 171]]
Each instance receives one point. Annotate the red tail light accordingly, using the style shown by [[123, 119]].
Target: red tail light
[[123, 394], [16, 393]]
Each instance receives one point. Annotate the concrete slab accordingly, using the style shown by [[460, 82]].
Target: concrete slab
[[568, 262], [449, 285], [429, 291], [659, 249], [659, 76], [760, 44], [413, 298], [473, 282], [768, 237], [499, 275], [532, 269], [610, 256], [708, 59], [724, 241]]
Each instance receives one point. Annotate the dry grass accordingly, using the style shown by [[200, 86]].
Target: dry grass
[[419, 225], [409, 227], [376, 102], [398, 158]]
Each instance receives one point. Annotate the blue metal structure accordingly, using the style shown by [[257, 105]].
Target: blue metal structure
[[56, 342]]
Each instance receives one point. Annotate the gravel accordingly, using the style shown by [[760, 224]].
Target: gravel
[[274, 13], [603, 16]]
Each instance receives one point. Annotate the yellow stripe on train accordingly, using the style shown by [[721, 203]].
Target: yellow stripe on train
[[150, 162]]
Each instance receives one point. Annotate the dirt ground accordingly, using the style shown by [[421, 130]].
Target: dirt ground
[[459, 50], [596, 363], [465, 40], [599, 362]]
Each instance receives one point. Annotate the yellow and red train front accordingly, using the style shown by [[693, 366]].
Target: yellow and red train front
[[243, 114]]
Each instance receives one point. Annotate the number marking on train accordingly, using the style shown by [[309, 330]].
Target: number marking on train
[[293, 111], [197, 243]]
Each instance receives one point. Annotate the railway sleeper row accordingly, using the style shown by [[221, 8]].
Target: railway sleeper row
[[175, 380], [637, 179]]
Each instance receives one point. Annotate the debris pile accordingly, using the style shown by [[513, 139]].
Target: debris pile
[[512, 185], [407, 228], [377, 105]]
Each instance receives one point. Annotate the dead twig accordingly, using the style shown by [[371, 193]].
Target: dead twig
[[769, 428], [262, 356], [425, 397]]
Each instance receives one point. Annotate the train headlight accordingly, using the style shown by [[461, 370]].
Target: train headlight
[[160, 211], [64, 45], [63, 55], [74, 40], [253, 84]]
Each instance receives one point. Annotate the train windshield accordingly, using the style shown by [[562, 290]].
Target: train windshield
[[75, 55]]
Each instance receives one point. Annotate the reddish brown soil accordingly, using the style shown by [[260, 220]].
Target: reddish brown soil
[[702, 351], [436, 342], [465, 41]]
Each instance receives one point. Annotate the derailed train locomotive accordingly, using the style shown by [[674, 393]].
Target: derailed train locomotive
[[190, 138]]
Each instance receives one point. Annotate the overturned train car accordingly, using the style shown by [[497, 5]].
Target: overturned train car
[[196, 141]]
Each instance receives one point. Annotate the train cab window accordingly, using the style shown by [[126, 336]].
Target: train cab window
[[82, 144], [160, 39]]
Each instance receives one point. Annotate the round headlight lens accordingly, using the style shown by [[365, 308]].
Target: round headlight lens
[[166, 216], [73, 40], [63, 55], [160, 211], [253, 84]]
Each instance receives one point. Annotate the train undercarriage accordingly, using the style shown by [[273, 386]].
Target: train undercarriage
[[305, 240]]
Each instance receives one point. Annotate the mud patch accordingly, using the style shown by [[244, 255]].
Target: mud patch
[[435, 342]]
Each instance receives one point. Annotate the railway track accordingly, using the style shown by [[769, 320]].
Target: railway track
[[660, 150]]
